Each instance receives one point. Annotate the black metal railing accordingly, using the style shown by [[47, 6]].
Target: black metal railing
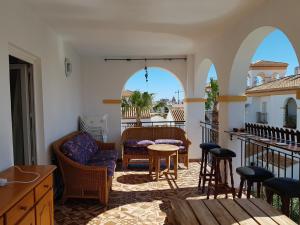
[[180, 124], [210, 132], [281, 161], [273, 148]]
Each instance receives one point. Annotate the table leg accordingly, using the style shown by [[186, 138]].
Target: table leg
[[176, 165], [157, 167], [150, 165], [168, 163]]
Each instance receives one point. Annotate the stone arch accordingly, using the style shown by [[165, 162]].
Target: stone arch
[[161, 68], [201, 77], [242, 59]]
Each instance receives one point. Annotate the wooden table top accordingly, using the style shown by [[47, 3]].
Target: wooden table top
[[227, 212], [163, 147], [267, 141], [13, 192]]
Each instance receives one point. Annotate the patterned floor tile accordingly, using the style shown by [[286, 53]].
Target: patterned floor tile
[[135, 199]]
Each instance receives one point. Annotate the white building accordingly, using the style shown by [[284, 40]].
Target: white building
[[275, 102]]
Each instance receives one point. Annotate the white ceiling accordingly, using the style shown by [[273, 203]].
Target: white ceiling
[[139, 27]]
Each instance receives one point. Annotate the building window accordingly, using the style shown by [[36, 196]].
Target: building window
[[291, 113]]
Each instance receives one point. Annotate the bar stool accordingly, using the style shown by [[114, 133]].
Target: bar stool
[[220, 187], [252, 174], [206, 147], [286, 188]]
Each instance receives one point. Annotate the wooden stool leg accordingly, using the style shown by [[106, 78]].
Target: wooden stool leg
[[241, 187], [231, 176], [217, 178], [205, 172], [285, 208], [249, 185], [201, 169], [269, 195], [225, 176], [210, 178], [258, 189]]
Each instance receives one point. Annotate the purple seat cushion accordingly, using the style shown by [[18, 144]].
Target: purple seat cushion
[[103, 155], [136, 150], [182, 150], [169, 141], [81, 148], [109, 164], [138, 143]]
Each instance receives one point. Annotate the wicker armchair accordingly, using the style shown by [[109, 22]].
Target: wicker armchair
[[154, 133], [82, 181]]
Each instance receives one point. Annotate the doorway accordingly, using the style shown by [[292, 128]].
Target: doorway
[[22, 111]]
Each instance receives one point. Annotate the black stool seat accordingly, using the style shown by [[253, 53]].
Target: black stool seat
[[284, 186], [222, 152], [208, 146], [254, 173]]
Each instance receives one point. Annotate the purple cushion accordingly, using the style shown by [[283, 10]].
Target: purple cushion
[[110, 164], [103, 155], [138, 143], [136, 150], [80, 148], [182, 150], [169, 141]]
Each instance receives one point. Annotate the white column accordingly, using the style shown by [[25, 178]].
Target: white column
[[194, 114], [231, 115]]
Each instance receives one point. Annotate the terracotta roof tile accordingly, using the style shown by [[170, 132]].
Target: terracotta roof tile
[[177, 114], [285, 83], [130, 113]]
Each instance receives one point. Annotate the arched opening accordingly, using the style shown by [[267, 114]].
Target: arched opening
[[211, 95], [164, 106], [266, 58], [290, 117]]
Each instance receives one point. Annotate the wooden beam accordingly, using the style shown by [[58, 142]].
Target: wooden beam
[[111, 101], [232, 98], [194, 100]]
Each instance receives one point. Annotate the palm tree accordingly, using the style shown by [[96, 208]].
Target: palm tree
[[138, 101], [212, 100]]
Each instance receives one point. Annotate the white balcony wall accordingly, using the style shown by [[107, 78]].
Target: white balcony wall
[[58, 99]]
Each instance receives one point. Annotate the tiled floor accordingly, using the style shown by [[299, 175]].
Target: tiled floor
[[135, 199]]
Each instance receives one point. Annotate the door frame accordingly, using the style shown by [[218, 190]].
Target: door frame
[[41, 152]]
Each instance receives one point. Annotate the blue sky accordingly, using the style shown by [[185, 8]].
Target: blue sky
[[275, 47]]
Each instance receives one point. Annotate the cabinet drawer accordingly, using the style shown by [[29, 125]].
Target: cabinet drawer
[[1, 221], [29, 219], [20, 209], [43, 187]]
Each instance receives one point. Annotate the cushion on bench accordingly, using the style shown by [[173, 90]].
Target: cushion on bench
[[80, 148], [110, 164], [169, 142]]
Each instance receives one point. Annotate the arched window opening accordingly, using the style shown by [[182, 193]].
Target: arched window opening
[[290, 114], [155, 102]]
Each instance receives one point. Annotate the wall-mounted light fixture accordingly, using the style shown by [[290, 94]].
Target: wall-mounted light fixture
[[68, 67]]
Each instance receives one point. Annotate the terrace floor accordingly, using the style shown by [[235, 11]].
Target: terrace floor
[[135, 199]]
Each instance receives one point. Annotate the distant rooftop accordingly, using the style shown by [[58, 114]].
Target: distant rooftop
[[131, 114], [268, 65], [282, 84], [177, 114]]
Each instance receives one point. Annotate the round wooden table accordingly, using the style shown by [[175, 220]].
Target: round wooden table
[[158, 151]]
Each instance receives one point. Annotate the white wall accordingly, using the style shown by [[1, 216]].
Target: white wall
[[58, 99], [106, 80]]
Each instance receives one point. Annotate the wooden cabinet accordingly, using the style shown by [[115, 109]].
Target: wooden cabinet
[[30, 203], [44, 210], [29, 219]]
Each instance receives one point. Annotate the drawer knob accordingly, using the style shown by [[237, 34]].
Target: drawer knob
[[24, 208], [46, 186]]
